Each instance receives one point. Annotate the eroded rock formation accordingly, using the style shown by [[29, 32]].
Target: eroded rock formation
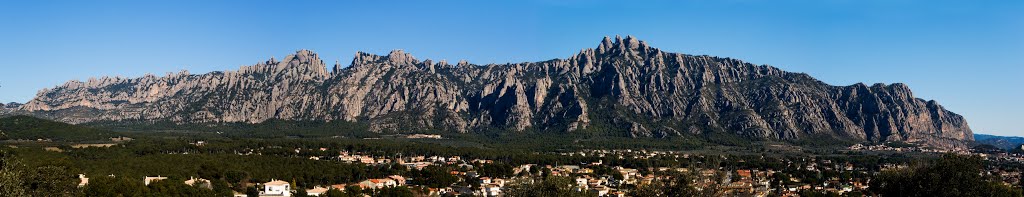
[[624, 85]]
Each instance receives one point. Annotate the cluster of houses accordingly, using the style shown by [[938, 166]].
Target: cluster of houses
[[747, 182], [923, 149], [741, 182], [283, 188]]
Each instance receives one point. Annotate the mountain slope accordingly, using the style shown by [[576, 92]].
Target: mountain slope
[[622, 87], [1004, 142]]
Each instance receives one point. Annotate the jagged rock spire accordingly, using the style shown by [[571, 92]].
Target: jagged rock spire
[[337, 67], [624, 46], [605, 46], [401, 57]]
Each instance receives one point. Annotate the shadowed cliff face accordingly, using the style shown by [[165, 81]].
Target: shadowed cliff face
[[623, 86]]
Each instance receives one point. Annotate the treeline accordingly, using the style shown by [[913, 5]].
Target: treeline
[[598, 136], [31, 128], [273, 128]]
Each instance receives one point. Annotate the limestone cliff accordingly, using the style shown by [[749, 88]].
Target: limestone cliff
[[624, 86]]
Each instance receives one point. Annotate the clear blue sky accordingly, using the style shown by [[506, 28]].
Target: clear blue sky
[[968, 55]]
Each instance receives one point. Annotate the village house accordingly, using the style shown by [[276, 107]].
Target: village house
[[417, 165], [399, 179], [485, 180], [339, 187], [582, 182], [151, 179], [629, 175], [366, 159], [120, 139], [439, 191], [521, 168], [316, 191], [276, 188], [377, 183], [601, 190], [595, 182], [192, 181], [490, 190], [82, 180]]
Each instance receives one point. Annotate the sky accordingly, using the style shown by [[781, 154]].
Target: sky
[[968, 55]]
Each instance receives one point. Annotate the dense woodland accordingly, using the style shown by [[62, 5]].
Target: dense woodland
[[30, 128]]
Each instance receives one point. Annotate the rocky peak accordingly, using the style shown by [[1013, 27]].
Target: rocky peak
[[462, 63], [363, 58], [629, 46], [305, 57], [9, 107], [400, 57], [606, 45], [396, 59], [304, 62], [337, 66], [271, 61]]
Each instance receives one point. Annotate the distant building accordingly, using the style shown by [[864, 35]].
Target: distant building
[[581, 182], [399, 179], [200, 182], [317, 191], [276, 188], [151, 179], [744, 174], [490, 190], [420, 136], [82, 180], [377, 183], [601, 190], [339, 187]]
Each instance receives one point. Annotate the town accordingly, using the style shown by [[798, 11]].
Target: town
[[599, 172]]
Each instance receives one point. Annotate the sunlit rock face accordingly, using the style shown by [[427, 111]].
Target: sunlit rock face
[[623, 86]]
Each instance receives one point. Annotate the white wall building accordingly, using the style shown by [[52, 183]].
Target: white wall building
[[151, 179], [317, 191], [276, 188]]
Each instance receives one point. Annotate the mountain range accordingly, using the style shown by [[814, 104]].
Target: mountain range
[[1003, 142], [622, 87]]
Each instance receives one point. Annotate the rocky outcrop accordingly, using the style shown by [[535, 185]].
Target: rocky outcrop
[[624, 86], [9, 107]]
